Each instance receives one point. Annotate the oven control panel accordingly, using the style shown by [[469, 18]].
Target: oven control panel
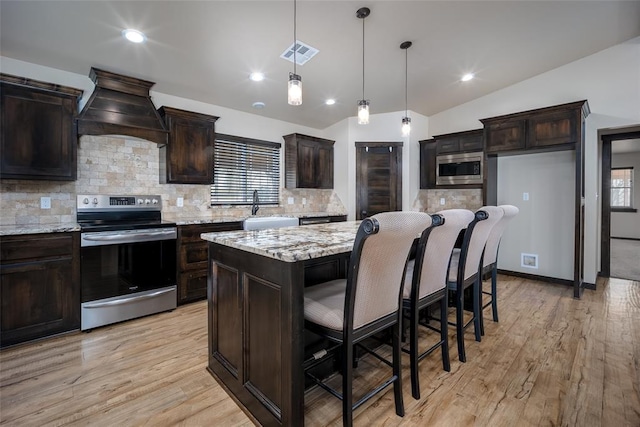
[[94, 202]]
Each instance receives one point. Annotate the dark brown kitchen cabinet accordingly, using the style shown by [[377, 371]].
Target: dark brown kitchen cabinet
[[308, 162], [544, 129], [38, 137], [192, 259], [451, 143], [459, 142], [40, 286], [311, 220], [187, 158]]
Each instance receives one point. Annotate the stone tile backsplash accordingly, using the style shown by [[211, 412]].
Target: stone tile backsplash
[[429, 200], [119, 165]]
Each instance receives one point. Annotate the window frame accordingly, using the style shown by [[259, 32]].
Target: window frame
[[272, 196], [630, 207]]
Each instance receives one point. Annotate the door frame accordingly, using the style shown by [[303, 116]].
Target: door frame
[[398, 145], [607, 137]]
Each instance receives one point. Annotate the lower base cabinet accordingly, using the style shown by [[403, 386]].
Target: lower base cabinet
[[192, 259], [39, 286]]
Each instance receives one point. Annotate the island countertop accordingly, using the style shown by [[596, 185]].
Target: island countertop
[[291, 244]]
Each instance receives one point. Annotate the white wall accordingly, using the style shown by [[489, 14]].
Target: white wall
[[384, 127], [627, 224], [609, 80]]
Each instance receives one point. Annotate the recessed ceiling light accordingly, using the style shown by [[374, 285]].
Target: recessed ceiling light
[[259, 105], [134, 36], [256, 77], [467, 77], [330, 101]]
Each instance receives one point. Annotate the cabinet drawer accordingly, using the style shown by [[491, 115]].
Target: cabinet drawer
[[24, 248], [193, 255], [191, 233], [192, 286]]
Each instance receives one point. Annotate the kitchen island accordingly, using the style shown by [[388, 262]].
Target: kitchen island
[[256, 283]]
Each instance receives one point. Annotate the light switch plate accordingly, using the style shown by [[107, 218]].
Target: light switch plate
[[304, 200], [525, 196], [442, 201], [180, 202], [45, 202], [290, 200]]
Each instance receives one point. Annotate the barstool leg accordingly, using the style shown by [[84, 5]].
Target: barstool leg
[[494, 293], [397, 384], [413, 353], [444, 334], [460, 325]]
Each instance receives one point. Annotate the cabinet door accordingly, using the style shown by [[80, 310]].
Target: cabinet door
[[324, 166], [307, 161], [449, 145], [192, 286], [427, 164], [505, 136], [190, 151], [472, 142], [37, 135], [38, 299], [555, 128]]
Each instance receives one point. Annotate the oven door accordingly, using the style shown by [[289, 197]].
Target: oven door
[[127, 274]]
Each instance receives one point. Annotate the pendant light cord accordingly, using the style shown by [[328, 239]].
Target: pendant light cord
[[295, 38], [363, 59], [406, 79]]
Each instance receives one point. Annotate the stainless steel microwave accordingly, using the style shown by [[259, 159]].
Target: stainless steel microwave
[[465, 168]]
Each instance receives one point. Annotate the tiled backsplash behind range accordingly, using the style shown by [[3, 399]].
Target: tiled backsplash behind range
[[119, 165]]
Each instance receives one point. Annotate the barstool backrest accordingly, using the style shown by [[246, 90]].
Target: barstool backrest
[[491, 250], [437, 251], [478, 239], [377, 265]]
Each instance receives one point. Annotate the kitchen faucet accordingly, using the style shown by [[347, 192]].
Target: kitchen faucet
[[256, 200]]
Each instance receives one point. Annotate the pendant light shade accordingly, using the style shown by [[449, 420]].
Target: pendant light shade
[[363, 104], [406, 120], [294, 88], [363, 112], [294, 93]]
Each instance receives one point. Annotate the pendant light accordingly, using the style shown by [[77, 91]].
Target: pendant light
[[406, 120], [363, 104], [294, 91]]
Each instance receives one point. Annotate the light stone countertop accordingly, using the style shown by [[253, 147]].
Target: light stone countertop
[[13, 230], [291, 244], [214, 220]]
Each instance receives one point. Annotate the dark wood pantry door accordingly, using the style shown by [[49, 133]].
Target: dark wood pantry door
[[378, 178]]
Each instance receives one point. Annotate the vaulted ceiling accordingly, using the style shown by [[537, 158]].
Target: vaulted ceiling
[[205, 50]]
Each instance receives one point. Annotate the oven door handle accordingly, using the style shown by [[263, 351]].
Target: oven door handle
[[128, 299], [130, 237]]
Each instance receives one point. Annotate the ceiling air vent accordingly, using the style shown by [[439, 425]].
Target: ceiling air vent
[[304, 53]]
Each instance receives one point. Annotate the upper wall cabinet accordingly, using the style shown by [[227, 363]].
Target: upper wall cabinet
[[308, 161], [552, 128], [451, 143], [188, 156], [37, 132]]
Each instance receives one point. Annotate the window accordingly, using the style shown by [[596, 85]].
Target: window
[[621, 188], [242, 165]]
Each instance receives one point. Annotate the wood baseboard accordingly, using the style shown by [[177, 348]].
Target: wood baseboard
[[591, 286], [536, 277], [626, 238]]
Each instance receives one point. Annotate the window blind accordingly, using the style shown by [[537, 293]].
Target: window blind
[[242, 165]]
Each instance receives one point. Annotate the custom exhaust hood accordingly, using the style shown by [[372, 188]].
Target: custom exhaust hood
[[121, 105]]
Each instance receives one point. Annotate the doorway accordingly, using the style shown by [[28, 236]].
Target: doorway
[[378, 178], [614, 145]]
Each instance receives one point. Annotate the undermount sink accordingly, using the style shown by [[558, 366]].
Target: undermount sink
[[264, 222]]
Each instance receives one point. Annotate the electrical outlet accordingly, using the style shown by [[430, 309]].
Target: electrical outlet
[[525, 196], [304, 201], [45, 202], [290, 200], [442, 201], [180, 202]]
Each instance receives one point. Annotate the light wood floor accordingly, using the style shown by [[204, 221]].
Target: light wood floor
[[551, 360]]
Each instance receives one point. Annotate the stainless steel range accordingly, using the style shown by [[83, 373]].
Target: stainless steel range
[[128, 258]]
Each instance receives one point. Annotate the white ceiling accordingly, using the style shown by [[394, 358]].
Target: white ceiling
[[205, 50]]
